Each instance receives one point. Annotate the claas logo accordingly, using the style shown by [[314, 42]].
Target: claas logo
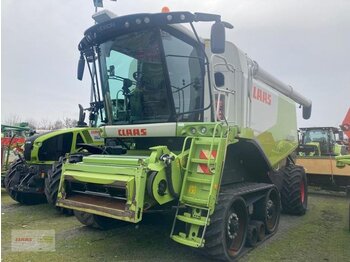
[[132, 132], [262, 95]]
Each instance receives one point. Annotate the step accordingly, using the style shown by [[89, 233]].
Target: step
[[191, 220], [202, 161], [199, 180], [181, 238], [196, 201], [206, 142]]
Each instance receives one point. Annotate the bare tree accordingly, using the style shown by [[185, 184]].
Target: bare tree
[[58, 125], [32, 123], [12, 120], [69, 122], [45, 124]]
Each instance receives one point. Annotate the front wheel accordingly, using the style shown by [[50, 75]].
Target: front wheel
[[226, 235], [15, 176], [52, 183]]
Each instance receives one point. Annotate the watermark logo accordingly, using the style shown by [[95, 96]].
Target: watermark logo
[[32, 240]]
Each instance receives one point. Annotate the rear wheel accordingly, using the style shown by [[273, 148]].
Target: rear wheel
[[96, 221], [16, 173], [294, 191], [52, 182], [226, 235]]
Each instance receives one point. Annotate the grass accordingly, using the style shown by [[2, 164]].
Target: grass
[[321, 235]]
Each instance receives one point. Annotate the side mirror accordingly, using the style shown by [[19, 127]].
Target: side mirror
[[81, 116], [217, 38], [81, 66], [307, 112], [341, 135]]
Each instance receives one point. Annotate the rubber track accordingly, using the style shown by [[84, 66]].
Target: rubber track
[[213, 239]]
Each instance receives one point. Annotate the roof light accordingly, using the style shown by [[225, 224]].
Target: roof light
[[103, 16], [165, 9]]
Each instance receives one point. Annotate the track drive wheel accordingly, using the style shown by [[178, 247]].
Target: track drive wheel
[[96, 221], [226, 235], [52, 182], [268, 210], [294, 191], [16, 173]]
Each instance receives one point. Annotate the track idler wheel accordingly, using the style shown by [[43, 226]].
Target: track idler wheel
[[268, 210], [260, 227], [252, 236]]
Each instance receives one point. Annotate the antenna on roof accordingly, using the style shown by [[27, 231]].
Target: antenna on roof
[[99, 3]]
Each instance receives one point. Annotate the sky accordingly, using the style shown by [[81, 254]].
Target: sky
[[303, 43]]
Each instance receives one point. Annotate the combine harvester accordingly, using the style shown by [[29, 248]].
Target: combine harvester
[[192, 123], [318, 152]]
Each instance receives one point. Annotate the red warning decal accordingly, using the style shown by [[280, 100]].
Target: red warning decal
[[204, 154]]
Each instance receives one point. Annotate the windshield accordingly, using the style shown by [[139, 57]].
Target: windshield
[[320, 136], [186, 78], [133, 76], [149, 77]]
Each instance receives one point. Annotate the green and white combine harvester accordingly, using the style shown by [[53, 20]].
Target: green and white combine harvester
[[191, 123]]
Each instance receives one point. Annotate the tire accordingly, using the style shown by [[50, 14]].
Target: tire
[[226, 235], [268, 210], [15, 174], [52, 183], [294, 193], [96, 221], [347, 191]]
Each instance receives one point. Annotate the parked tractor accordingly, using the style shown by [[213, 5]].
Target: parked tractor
[[190, 123], [26, 175], [32, 179], [12, 141], [319, 147]]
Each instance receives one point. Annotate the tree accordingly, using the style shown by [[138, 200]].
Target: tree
[[57, 125], [13, 120], [69, 122]]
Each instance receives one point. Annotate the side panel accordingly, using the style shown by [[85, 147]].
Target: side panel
[[273, 122]]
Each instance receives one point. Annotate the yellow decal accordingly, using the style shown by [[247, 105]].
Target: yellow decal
[[192, 189]]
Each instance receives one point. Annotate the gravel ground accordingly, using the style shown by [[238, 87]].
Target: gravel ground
[[321, 235]]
